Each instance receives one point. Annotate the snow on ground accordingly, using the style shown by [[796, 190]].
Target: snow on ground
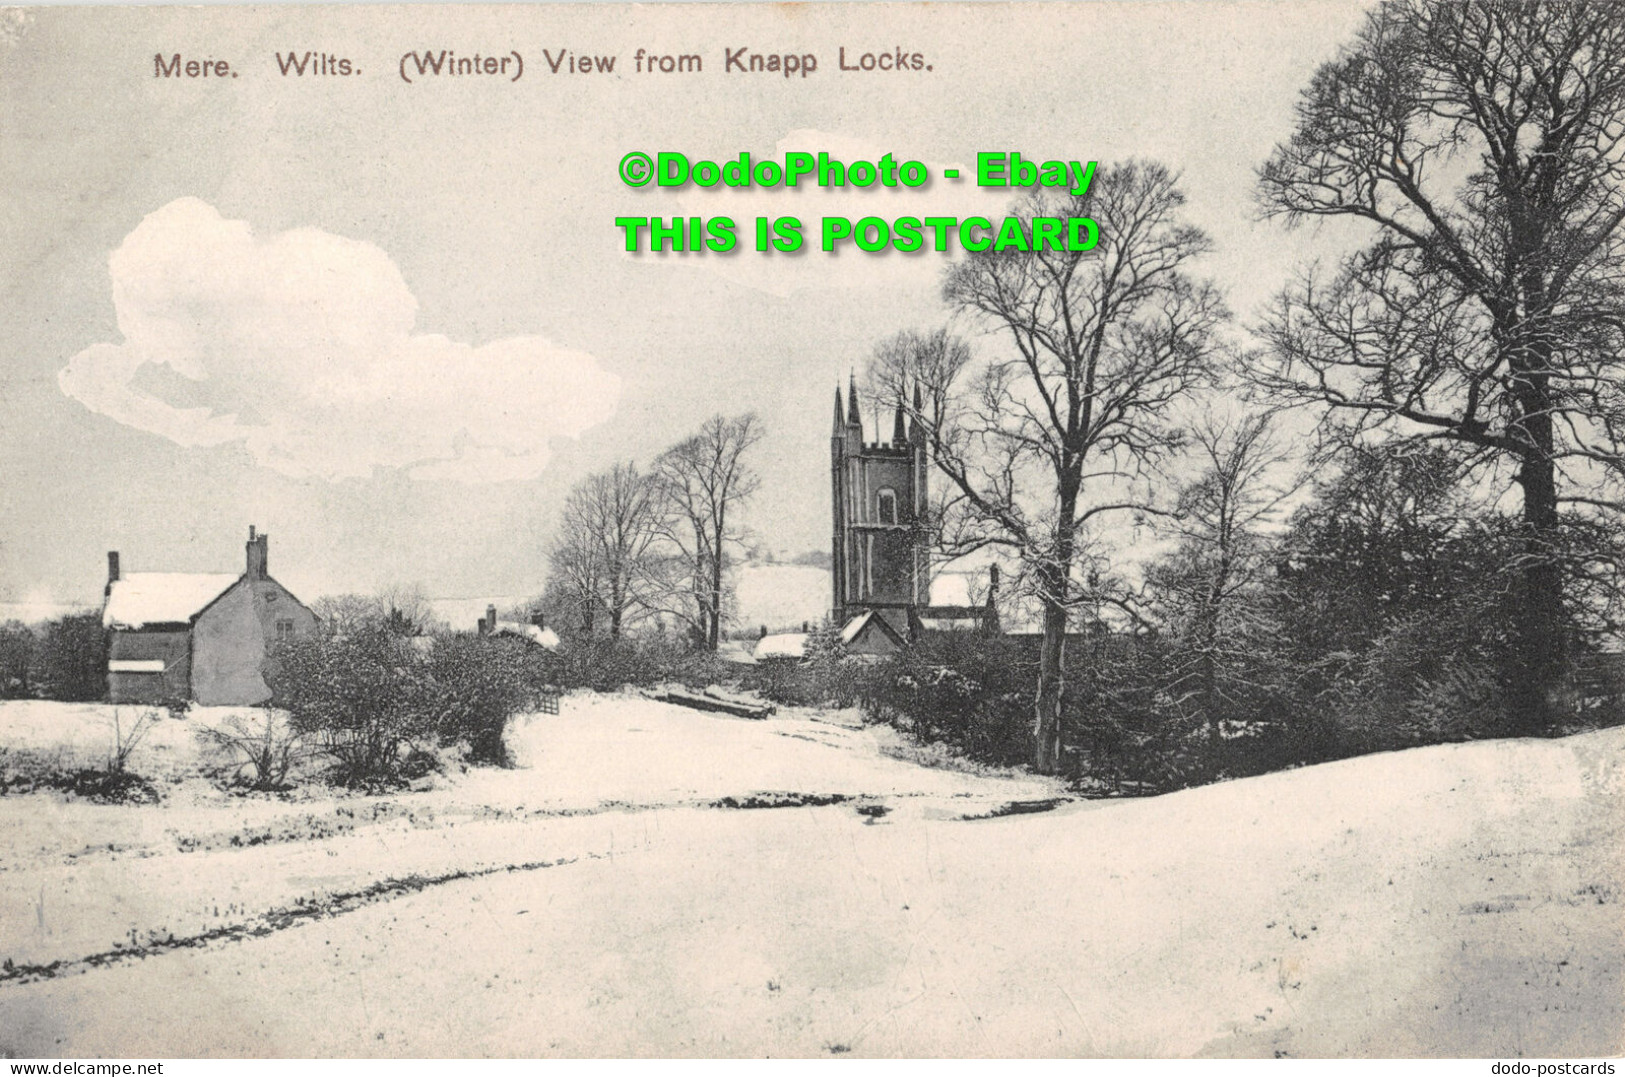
[[596, 900]]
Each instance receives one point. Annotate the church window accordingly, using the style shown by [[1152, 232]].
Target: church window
[[888, 506]]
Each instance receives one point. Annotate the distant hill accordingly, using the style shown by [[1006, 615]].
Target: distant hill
[[782, 596], [37, 612]]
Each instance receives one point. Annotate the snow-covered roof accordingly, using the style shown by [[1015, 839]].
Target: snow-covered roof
[[951, 624], [542, 637], [136, 665], [138, 599], [783, 645]]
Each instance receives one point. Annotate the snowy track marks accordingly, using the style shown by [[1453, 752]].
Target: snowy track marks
[[302, 911]]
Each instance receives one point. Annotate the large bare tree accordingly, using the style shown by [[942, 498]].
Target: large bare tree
[[705, 481], [1481, 143], [604, 547], [1044, 442]]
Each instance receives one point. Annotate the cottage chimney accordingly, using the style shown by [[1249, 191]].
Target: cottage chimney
[[538, 619], [112, 566], [490, 619], [258, 554]]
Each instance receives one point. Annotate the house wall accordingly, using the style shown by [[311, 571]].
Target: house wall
[[168, 645], [231, 639]]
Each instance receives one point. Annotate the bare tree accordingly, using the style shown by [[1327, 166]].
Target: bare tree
[[1481, 140], [259, 751], [343, 614], [1044, 444], [406, 609], [624, 507], [1210, 588], [705, 482], [599, 562]]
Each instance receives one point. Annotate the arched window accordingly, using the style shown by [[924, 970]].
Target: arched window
[[888, 506]]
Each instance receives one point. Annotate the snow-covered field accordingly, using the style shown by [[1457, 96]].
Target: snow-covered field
[[656, 881]]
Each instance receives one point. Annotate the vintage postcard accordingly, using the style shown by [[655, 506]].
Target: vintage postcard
[[745, 530]]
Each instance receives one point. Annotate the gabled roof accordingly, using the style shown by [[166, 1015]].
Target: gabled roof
[[783, 645], [139, 599], [858, 626]]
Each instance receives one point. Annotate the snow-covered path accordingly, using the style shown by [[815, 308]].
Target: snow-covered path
[[598, 901]]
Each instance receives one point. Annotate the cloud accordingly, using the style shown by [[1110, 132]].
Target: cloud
[[847, 268], [299, 346]]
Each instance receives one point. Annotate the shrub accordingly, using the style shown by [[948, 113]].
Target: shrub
[[73, 659], [480, 684], [128, 730], [970, 691], [23, 772], [821, 681], [110, 787], [18, 657], [377, 704], [605, 664], [364, 699], [1426, 679], [257, 751]]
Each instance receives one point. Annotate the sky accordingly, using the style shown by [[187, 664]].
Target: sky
[[391, 324]]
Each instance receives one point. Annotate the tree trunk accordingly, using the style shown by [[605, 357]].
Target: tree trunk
[[1537, 673], [1048, 735], [714, 629], [1055, 581], [1538, 663], [1051, 687], [1210, 688]]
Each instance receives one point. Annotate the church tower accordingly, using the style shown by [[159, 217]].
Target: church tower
[[879, 509]]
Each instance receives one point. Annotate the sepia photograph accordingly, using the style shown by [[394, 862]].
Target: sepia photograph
[[813, 530]]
